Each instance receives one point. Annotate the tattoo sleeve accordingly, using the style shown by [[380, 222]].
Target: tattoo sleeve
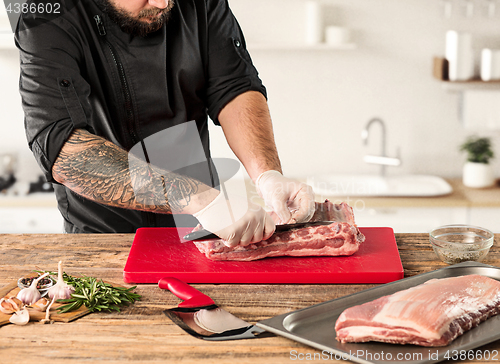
[[101, 171]]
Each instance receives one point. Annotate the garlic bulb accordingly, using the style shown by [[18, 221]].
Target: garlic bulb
[[31, 294], [10, 305], [41, 304], [21, 317], [61, 290]]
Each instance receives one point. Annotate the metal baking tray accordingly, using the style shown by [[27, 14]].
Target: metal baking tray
[[314, 326]]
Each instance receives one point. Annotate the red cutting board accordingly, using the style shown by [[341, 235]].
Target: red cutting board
[[158, 252]]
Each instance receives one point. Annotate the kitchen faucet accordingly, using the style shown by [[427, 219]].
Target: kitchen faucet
[[381, 159]]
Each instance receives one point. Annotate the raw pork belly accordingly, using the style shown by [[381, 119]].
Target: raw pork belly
[[339, 238], [431, 314]]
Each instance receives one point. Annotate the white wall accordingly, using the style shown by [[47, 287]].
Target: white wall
[[13, 139], [321, 100]]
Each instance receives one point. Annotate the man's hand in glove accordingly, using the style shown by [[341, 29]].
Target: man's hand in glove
[[236, 221], [291, 200]]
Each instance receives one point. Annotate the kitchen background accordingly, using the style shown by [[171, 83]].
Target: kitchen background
[[321, 97]]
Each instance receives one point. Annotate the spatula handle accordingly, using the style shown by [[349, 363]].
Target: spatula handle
[[191, 296]]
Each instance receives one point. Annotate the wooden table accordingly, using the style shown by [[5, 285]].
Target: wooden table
[[141, 333]]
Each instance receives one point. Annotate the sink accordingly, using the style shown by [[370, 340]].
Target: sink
[[388, 186]]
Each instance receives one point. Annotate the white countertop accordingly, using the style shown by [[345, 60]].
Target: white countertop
[[461, 196]]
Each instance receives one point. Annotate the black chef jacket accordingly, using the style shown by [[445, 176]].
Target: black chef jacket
[[79, 70]]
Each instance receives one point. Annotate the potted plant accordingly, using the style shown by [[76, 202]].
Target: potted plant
[[477, 172]]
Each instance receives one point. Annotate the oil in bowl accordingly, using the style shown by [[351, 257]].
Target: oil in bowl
[[460, 243]]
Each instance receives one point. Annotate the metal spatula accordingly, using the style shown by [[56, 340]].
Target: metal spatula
[[200, 317]]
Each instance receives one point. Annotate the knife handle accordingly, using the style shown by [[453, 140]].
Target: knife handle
[[191, 296]]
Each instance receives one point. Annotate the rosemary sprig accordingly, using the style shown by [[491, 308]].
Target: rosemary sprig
[[96, 295]]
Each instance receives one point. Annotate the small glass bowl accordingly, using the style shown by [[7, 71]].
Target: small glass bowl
[[43, 289], [460, 243]]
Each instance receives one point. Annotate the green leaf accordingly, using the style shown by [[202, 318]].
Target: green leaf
[[479, 150], [83, 297], [96, 295]]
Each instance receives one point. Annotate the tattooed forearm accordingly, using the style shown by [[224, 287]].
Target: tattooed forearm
[[101, 171], [155, 187]]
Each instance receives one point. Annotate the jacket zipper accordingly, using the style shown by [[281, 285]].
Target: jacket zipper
[[150, 218], [129, 111]]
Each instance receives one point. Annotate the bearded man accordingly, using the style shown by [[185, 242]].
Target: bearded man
[[105, 76]]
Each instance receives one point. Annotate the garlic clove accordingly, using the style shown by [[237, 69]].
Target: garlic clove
[[21, 317], [10, 305], [6, 306], [16, 302], [41, 304]]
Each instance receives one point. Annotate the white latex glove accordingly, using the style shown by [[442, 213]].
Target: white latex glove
[[239, 222], [291, 200]]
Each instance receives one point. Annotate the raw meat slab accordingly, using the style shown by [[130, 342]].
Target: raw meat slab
[[430, 314], [158, 252], [313, 326], [340, 238]]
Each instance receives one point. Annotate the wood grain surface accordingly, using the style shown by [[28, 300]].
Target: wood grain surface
[[11, 290], [141, 332]]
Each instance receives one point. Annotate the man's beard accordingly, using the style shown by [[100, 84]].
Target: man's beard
[[133, 24]]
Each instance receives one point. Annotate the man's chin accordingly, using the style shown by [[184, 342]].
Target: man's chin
[[144, 26], [137, 26], [148, 21]]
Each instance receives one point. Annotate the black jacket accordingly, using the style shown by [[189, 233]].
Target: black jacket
[[79, 70]]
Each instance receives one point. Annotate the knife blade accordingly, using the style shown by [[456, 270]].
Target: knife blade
[[207, 235]]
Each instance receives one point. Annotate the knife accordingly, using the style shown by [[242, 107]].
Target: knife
[[206, 235], [200, 317]]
